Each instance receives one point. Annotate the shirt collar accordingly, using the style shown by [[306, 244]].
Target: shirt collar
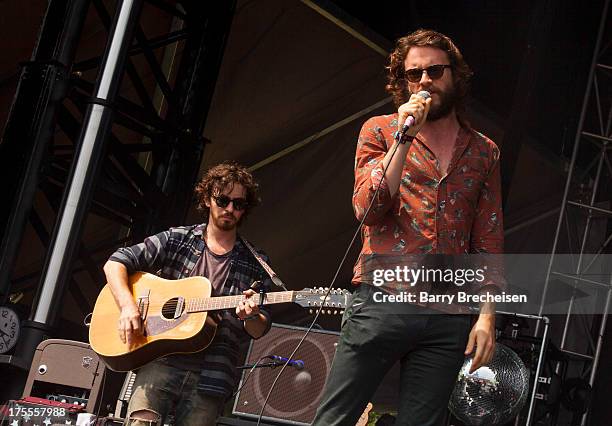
[[201, 228]]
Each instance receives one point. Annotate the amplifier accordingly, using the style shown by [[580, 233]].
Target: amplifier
[[228, 421], [70, 371], [298, 391]]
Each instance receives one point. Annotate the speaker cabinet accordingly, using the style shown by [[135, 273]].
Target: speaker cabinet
[[65, 370], [297, 393]]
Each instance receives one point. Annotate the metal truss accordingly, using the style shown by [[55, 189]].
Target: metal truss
[[586, 203], [147, 163]]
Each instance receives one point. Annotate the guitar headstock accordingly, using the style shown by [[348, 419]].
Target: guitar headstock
[[313, 298]]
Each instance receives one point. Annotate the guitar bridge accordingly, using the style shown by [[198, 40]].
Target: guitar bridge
[[143, 304], [180, 304]]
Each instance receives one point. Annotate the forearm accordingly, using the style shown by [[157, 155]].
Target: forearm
[[117, 279], [487, 313], [372, 189], [130, 324], [257, 326], [394, 165], [482, 337]]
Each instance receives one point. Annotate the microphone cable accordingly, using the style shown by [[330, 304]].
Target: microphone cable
[[246, 378]]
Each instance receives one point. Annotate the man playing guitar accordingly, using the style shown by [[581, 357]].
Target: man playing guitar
[[195, 385]]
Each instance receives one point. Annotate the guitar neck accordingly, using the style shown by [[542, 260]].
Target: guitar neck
[[228, 302]]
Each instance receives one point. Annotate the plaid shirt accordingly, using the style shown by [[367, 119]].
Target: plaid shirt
[[173, 255], [456, 213]]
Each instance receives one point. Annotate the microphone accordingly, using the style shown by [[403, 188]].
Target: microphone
[[297, 363], [302, 380], [410, 120]]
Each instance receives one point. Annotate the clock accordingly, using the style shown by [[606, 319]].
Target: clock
[[9, 329]]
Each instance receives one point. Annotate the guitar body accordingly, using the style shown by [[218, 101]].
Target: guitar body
[[168, 327]]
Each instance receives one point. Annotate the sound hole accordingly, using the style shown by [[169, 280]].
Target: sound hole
[[173, 308]]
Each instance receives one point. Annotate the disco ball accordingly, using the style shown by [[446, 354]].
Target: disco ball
[[494, 394]]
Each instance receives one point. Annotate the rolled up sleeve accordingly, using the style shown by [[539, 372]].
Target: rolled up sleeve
[[371, 150], [146, 256]]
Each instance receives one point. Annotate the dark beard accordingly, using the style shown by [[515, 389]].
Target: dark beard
[[446, 106], [225, 226]]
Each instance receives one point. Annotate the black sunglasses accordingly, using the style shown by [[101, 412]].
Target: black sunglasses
[[434, 72], [223, 201]]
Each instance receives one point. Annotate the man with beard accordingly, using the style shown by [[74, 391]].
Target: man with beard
[[440, 195], [195, 385]]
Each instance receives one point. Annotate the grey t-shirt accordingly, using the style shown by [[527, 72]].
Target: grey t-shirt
[[216, 268]]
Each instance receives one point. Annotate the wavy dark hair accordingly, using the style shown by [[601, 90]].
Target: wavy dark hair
[[225, 176], [398, 86]]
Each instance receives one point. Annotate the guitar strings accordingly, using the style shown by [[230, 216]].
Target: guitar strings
[[208, 303]]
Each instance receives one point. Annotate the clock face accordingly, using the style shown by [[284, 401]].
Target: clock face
[[9, 329]]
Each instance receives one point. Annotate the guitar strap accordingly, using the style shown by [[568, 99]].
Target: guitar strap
[[275, 278]]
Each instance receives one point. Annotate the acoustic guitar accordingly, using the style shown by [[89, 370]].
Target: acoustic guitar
[[174, 315]]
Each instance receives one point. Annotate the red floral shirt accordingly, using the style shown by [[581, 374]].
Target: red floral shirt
[[457, 213]]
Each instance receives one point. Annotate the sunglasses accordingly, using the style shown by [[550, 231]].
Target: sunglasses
[[223, 201], [434, 72]]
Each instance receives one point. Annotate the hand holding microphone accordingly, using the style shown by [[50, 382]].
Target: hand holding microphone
[[411, 117], [413, 114]]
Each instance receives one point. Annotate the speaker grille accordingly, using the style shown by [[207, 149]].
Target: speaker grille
[[297, 393]]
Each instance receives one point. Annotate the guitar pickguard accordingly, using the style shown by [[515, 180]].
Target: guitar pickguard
[[158, 325]]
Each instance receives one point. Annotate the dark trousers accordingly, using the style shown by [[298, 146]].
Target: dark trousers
[[429, 347]]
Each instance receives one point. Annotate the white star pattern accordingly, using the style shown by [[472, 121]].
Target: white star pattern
[[15, 423], [47, 421]]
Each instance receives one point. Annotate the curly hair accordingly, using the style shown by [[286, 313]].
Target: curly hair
[[398, 86], [225, 176]]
